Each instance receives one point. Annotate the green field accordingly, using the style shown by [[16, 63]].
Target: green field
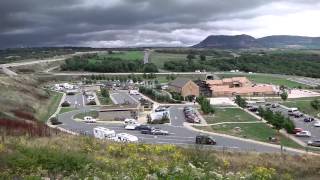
[[267, 79], [127, 55], [303, 105], [160, 58], [66, 109], [50, 106], [229, 115], [94, 114], [255, 131]]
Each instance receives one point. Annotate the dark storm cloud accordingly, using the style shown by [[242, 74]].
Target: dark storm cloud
[[130, 22]]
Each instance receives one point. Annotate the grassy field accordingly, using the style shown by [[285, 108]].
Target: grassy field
[[127, 55], [94, 114], [229, 115], [303, 105], [160, 58], [79, 157], [267, 79], [66, 109], [255, 131], [48, 108]]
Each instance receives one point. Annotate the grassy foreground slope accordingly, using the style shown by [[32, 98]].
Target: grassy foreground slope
[[82, 157]]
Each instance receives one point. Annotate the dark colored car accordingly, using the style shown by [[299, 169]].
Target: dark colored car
[[275, 105], [253, 109], [145, 131], [143, 127], [203, 139], [308, 119], [298, 114], [315, 143], [296, 130]]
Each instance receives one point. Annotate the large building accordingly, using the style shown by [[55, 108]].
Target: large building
[[239, 86], [185, 87]]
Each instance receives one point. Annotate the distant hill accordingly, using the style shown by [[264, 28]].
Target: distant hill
[[246, 41]]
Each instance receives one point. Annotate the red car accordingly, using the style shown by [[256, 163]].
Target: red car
[[296, 130]]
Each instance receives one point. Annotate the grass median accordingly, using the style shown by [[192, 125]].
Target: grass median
[[49, 107], [255, 131], [304, 105], [229, 115]]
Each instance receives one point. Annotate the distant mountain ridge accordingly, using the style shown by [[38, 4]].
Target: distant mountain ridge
[[245, 41]]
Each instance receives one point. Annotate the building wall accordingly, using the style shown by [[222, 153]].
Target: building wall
[[190, 88]]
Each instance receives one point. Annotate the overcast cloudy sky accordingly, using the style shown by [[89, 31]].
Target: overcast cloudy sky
[[114, 23]]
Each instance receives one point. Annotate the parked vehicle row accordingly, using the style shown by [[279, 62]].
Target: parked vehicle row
[[191, 115]]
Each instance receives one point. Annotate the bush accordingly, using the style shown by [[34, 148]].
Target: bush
[[206, 107], [92, 103], [55, 121], [240, 101], [65, 104]]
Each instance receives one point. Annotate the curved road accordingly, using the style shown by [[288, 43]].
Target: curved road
[[179, 135]]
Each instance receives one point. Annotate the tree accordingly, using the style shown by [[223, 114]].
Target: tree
[[284, 96], [315, 104], [191, 56], [240, 101], [202, 57]]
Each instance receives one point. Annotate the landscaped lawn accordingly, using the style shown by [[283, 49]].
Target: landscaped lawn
[[255, 131], [94, 114], [66, 109], [48, 108], [103, 100], [229, 115], [267, 79], [303, 105]]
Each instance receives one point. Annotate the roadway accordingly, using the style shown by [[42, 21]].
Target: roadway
[[179, 135]]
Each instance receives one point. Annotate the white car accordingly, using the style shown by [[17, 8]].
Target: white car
[[133, 92], [304, 134], [124, 137], [157, 131], [89, 119], [91, 98], [131, 126], [129, 121], [317, 124]]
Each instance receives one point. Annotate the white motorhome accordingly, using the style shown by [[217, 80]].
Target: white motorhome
[[104, 133]]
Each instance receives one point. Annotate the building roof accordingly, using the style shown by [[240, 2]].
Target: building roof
[[179, 82], [243, 90], [242, 80]]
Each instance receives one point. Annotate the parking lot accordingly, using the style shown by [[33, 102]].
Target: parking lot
[[299, 123]]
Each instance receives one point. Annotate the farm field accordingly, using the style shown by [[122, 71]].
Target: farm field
[[126, 55]]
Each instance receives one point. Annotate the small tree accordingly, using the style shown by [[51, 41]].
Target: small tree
[[240, 101], [284, 96], [202, 57], [315, 104]]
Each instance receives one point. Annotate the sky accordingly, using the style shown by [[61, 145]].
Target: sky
[[136, 23]]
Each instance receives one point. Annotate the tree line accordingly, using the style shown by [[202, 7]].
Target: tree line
[[94, 63], [301, 64]]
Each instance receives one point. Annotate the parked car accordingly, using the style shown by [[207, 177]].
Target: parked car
[[317, 124], [275, 105], [291, 111], [204, 139], [296, 130], [253, 109], [308, 119], [131, 126], [129, 121], [268, 104], [315, 143], [160, 109], [304, 134], [124, 137], [89, 119]]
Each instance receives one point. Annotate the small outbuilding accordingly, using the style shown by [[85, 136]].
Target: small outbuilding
[[184, 86]]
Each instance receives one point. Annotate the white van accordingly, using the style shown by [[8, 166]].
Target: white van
[[124, 137], [129, 121], [104, 133], [133, 92], [89, 119], [291, 111]]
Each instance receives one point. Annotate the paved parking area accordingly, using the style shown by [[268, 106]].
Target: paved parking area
[[299, 123], [76, 100], [122, 97]]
